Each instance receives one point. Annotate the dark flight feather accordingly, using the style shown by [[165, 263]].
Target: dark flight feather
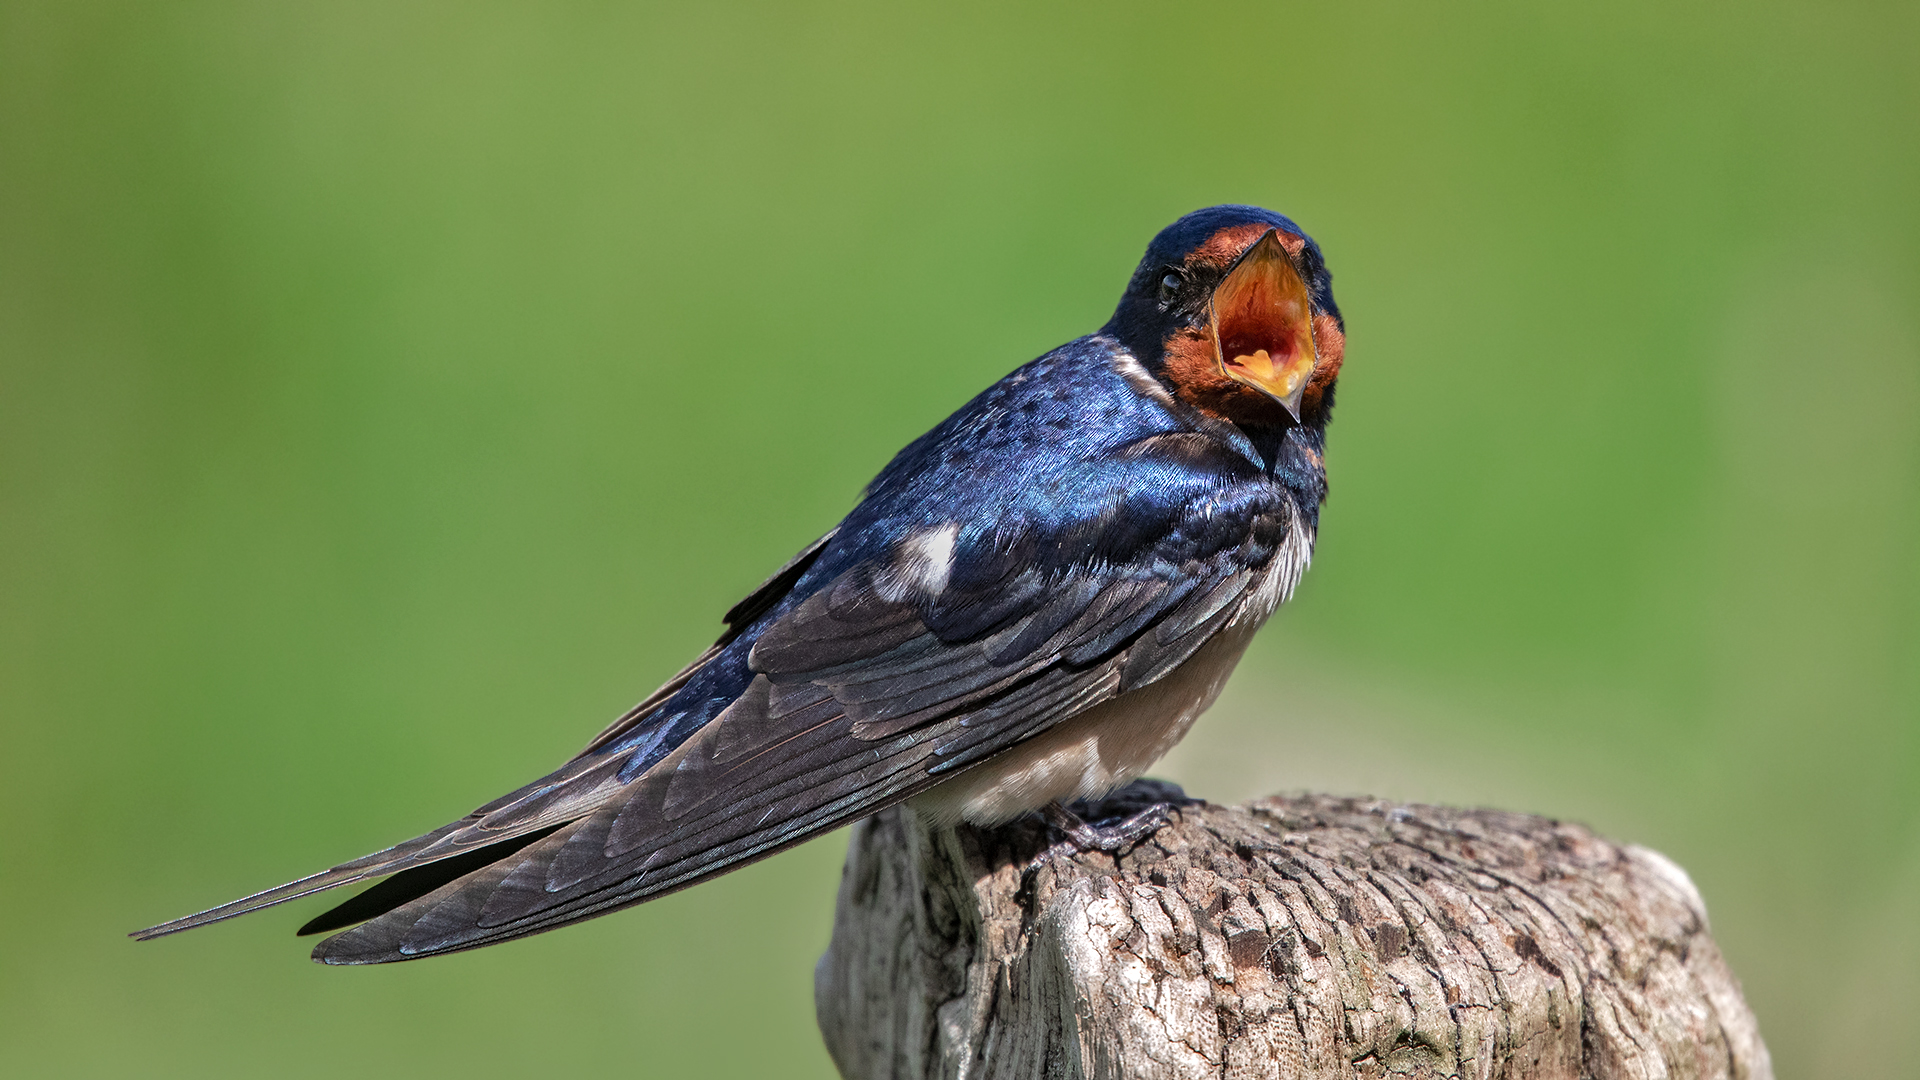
[[835, 724], [750, 782]]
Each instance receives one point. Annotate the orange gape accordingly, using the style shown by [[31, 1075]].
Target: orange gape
[[1263, 323], [1257, 356]]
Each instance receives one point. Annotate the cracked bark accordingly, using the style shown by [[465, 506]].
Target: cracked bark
[[1298, 936]]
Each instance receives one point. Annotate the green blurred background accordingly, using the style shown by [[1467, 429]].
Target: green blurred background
[[391, 393]]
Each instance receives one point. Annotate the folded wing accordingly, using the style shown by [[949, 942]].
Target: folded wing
[[863, 689]]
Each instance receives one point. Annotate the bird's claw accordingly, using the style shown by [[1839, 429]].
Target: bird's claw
[[1110, 838]]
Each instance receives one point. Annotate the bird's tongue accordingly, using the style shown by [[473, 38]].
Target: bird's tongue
[[1263, 323]]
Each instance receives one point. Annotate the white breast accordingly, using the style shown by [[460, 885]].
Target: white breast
[[1097, 751]]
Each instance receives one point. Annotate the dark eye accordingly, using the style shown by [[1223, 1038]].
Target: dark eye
[[1170, 285]]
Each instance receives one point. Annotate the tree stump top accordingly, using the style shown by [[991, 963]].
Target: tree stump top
[[1294, 936]]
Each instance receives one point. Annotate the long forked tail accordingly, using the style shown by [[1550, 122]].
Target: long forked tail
[[422, 864], [412, 876], [344, 874]]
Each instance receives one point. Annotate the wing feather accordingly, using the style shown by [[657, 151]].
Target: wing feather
[[858, 693], [831, 729]]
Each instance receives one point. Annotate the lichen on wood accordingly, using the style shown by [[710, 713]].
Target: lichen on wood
[[1297, 936]]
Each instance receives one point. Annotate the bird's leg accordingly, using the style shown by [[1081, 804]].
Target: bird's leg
[[1108, 838]]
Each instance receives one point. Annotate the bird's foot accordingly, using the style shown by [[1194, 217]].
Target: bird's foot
[[1110, 838]]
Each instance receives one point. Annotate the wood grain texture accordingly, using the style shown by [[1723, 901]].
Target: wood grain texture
[[1297, 936]]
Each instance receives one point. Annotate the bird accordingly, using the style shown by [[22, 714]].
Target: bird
[[1029, 605]]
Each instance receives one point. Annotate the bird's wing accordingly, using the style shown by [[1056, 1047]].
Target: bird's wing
[[869, 686], [857, 702]]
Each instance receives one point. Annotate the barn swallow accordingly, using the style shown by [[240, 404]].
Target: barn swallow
[[1029, 605]]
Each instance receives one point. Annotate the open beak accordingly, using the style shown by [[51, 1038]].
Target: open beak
[[1262, 319]]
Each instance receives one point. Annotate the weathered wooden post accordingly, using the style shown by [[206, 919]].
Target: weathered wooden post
[[1299, 936]]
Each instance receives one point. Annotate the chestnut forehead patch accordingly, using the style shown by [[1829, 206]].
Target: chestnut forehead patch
[[1226, 245]]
